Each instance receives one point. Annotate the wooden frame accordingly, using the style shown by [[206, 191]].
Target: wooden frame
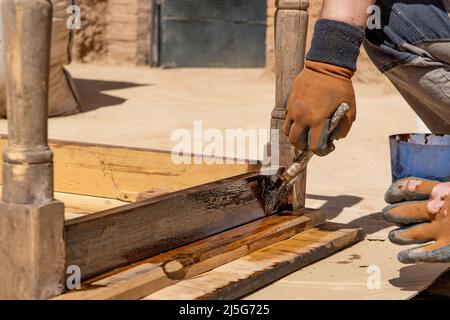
[[132, 174], [39, 242]]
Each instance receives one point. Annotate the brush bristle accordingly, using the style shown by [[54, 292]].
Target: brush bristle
[[274, 200]]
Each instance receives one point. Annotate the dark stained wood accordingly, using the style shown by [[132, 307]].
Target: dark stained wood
[[119, 236]]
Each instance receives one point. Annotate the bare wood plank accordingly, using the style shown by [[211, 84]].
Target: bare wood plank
[[86, 204], [68, 214], [116, 237], [129, 284], [230, 245], [131, 174], [249, 273], [77, 205], [154, 273]]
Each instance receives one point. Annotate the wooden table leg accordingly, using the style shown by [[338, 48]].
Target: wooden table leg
[[32, 250], [291, 25]]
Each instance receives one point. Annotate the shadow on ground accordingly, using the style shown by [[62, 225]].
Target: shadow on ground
[[333, 207], [411, 272], [93, 96]]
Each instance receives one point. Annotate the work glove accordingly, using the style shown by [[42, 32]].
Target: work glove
[[421, 208], [322, 86], [315, 95]]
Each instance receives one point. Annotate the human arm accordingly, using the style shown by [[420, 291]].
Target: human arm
[[325, 82]]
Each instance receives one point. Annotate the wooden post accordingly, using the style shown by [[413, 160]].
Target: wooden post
[[291, 24], [32, 250]]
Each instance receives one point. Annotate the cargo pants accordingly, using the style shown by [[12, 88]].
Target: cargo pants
[[412, 49]]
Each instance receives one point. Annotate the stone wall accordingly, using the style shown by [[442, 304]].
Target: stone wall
[[114, 31], [89, 43]]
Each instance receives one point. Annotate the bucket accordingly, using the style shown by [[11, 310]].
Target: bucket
[[424, 156]]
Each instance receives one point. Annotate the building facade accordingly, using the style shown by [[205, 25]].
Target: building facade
[[139, 32]]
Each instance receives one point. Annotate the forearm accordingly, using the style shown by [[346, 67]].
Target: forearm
[[353, 12]]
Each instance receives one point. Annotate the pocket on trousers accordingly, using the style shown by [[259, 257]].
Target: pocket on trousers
[[437, 82]]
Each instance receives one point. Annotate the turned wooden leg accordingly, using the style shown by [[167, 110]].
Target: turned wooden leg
[[291, 26], [32, 250]]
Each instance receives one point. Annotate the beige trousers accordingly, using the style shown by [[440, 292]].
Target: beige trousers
[[425, 84]]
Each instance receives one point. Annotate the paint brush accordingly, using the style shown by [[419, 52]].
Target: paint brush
[[285, 182]]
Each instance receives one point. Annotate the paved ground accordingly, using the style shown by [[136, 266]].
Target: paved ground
[[141, 107]]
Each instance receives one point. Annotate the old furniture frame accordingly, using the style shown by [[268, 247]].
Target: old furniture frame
[[38, 244]]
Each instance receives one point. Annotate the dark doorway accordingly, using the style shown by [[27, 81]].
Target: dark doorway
[[212, 33]]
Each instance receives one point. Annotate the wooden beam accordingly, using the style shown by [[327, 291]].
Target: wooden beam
[[260, 268], [81, 204], [116, 237], [132, 174], [76, 205], [166, 269]]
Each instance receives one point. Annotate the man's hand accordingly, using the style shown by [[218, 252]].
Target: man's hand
[[325, 82], [315, 95], [421, 221], [322, 86]]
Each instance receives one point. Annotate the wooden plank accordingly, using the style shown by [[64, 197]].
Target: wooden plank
[[154, 273], [230, 245], [82, 204], [244, 275], [128, 284], [132, 174], [77, 205], [116, 237]]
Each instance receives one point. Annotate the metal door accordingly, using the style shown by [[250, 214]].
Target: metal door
[[212, 33]]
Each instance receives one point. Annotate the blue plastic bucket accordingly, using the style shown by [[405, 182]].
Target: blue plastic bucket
[[420, 155]]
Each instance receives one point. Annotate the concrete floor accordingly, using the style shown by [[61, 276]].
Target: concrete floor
[[141, 107]]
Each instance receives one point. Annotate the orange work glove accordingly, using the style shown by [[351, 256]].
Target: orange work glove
[[322, 86], [422, 221], [315, 95]]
